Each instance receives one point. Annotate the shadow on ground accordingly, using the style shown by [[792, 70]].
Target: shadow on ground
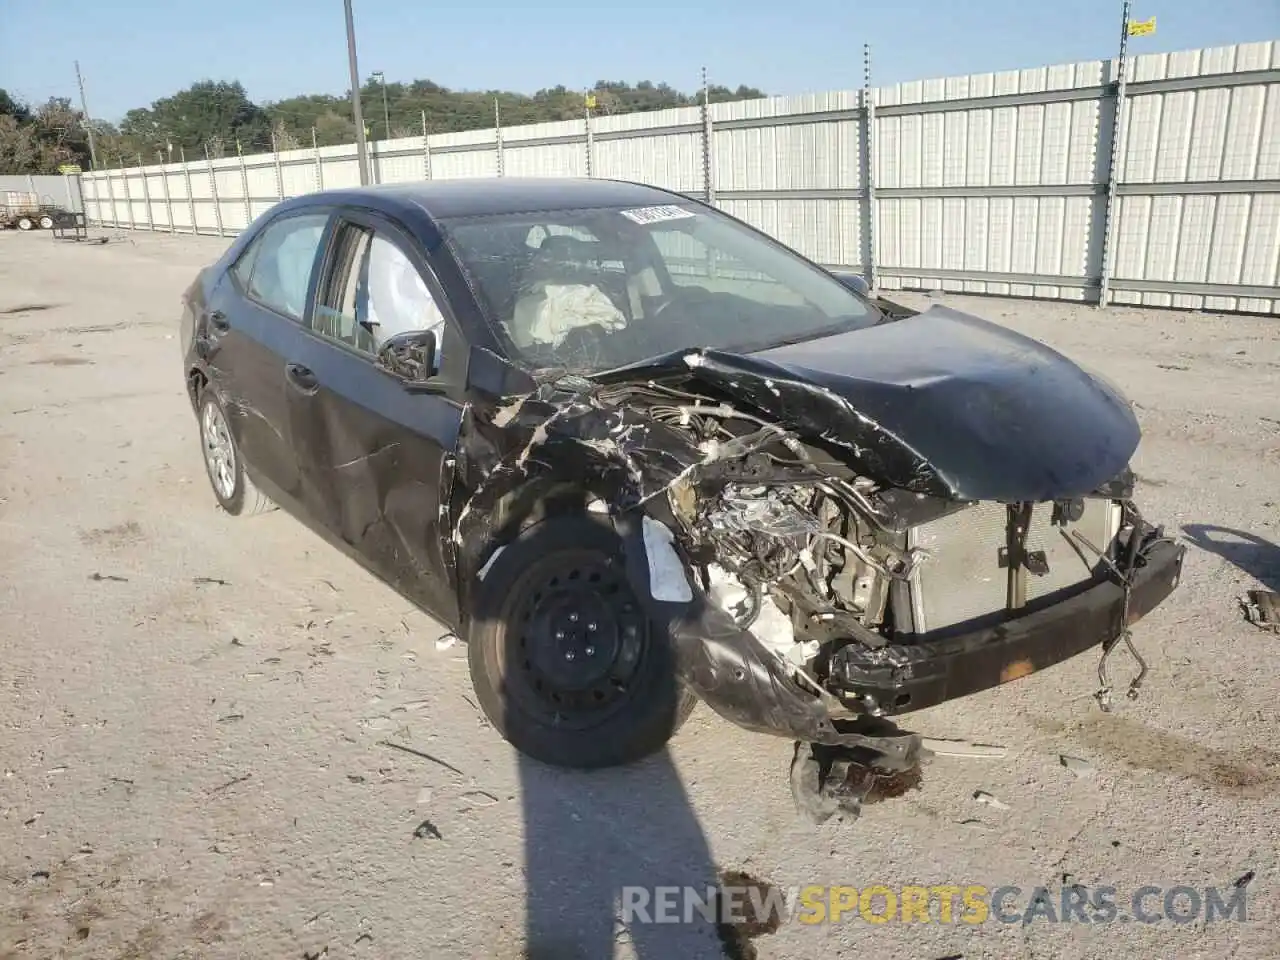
[[1254, 555], [590, 835]]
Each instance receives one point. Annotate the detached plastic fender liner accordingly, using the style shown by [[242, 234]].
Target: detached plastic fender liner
[[728, 668]]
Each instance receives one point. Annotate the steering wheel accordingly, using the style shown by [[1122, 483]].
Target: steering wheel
[[585, 341], [687, 295]]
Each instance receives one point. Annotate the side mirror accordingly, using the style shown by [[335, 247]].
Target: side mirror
[[411, 356], [855, 282]]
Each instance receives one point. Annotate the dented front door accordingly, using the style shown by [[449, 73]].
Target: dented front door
[[373, 455]]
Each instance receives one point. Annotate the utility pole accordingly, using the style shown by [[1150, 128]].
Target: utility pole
[[362, 148], [88, 124]]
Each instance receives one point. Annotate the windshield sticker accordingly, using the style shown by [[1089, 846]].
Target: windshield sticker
[[647, 215]]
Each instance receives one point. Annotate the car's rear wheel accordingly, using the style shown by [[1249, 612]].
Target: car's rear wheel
[[25, 223], [565, 661], [234, 490]]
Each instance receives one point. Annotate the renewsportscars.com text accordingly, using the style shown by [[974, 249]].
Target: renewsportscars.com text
[[939, 903]]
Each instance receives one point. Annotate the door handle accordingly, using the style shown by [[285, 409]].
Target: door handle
[[301, 378], [218, 320]]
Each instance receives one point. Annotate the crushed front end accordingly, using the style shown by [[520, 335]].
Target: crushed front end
[[816, 573], [823, 595]]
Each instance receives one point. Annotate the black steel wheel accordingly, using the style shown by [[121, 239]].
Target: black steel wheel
[[565, 660]]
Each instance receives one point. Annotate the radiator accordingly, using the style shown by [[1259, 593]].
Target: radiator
[[963, 578]]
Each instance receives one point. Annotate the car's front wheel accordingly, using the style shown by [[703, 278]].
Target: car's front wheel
[[231, 485], [565, 661]]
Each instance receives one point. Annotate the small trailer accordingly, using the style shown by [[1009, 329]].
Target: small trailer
[[26, 212]]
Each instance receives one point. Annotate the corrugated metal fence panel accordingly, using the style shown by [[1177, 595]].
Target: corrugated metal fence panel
[[990, 183], [1004, 151], [526, 152], [826, 231], [662, 148], [814, 146], [1217, 138], [298, 174]]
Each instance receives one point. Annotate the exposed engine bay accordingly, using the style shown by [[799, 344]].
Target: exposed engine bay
[[810, 557]]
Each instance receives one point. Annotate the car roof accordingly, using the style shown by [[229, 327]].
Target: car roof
[[484, 196]]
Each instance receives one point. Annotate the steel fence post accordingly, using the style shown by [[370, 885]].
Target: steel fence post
[[244, 185], [146, 196], [213, 190], [315, 147], [1113, 165], [191, 200], [426, 149], [168, 200], [111, 196], [590, 135], [128, 194], [497, 136], [708, 135], [871, 214], [275, 151]]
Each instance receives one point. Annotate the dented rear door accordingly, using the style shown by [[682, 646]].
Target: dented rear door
[[254, 314]]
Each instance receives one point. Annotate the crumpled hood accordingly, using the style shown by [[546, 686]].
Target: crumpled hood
[[942, 403]]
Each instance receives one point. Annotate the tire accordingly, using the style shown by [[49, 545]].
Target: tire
[[235, 492], [46, 222], [25, 223], [561, 589]]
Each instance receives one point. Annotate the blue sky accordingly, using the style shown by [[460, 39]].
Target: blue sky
[[134, 51]]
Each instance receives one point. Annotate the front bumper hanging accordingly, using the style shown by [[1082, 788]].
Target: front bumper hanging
[[737, 677], [899, 678]]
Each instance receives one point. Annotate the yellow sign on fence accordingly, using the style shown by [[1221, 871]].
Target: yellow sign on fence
[[1141, 28], [68, 168]]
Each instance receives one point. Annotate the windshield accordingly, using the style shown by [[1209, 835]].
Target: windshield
[[588, 290]]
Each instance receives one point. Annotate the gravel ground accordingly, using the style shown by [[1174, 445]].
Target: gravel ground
[[196, 711]]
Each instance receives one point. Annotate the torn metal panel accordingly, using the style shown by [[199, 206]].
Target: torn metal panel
[[557, 449], [734, 673]]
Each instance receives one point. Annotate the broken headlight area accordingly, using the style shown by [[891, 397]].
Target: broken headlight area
[[811, 559]]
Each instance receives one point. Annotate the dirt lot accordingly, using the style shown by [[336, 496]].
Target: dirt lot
[[195, 711]]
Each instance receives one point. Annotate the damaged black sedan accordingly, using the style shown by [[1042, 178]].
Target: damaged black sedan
[[637, 453]]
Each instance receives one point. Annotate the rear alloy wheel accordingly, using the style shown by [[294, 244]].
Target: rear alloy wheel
[[25, 223], [46, 222], [231, 485], [565, 661]]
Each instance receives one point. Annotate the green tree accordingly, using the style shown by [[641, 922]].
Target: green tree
[[209, 113], [42, 139], [219, 116]]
